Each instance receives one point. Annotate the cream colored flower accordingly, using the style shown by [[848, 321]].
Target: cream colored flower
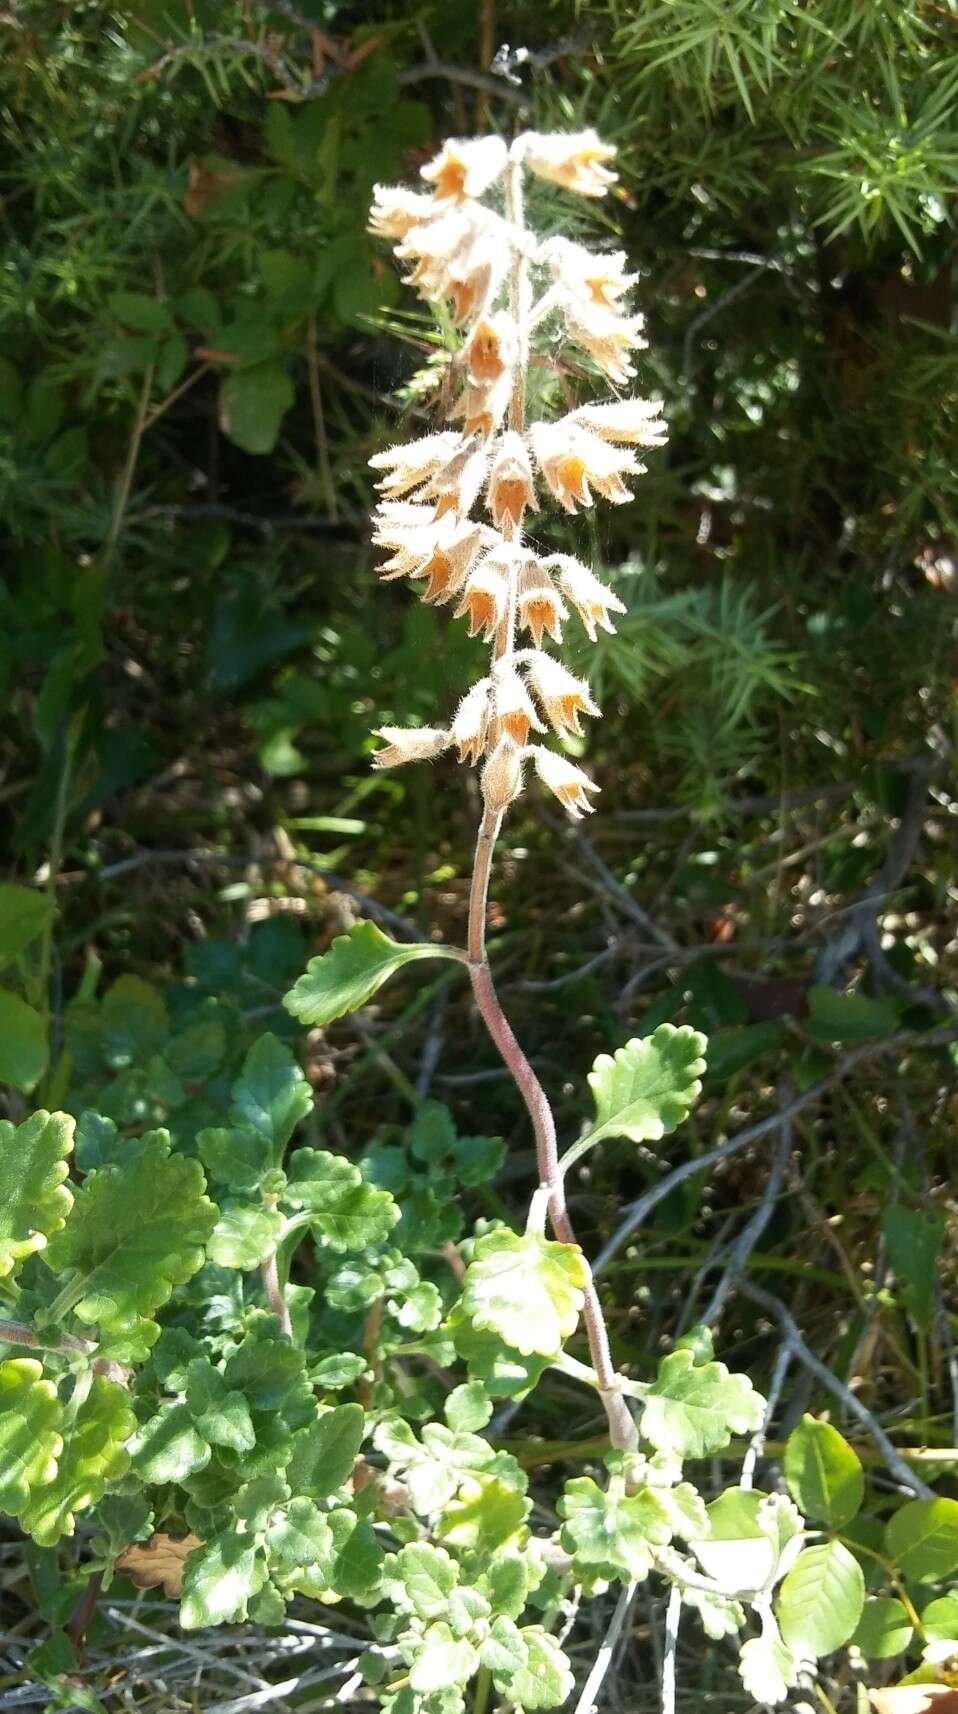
[[474, 275], [468, 730], [607, 337], [396, 209], [484, 600], [409, 744], [591, 599], [562, 777], [511, 487], [635, 422], [575, 161], [482, 408], [561, 696], [456, 484], [466, 167], [598, 279], [489, 352], [436, 247], [450, 562], [514, 708], [409, 465], [574, 461], [502, 775], [540, 608]]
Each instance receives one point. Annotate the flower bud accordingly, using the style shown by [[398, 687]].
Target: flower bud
[[409, 744], [511, 488], [568, 782], [468, 730], [540, 608], [502, 776]]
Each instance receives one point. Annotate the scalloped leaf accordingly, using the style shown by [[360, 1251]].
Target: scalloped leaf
[[94, 1457], [325, 1452], [645, 1089], [219, 1581], [34, 1201], [31, 1417], [527, 1289], [612, 1535], [245, 1235], [345, 1210], [138, 1229], [349, 974], [695, 1409], [271, 1094]]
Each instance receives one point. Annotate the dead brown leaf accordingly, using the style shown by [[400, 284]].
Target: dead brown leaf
[[160, 1560]]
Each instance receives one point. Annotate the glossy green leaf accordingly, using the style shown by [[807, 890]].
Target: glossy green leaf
[[884, 1628], [31, 1419], [137, 1229], [824, 1475], [922, 1539], [219, 1581], [169, 1447], [526, 1289], [694, 1409], [940, 1619], [221, 1414], [34, 1199], [821, 1600], [245, 1235], [325, 1452], [271, 1094], [349, 974], [94, 1457], [344, 1210], [645, 1089], [298, 1539]]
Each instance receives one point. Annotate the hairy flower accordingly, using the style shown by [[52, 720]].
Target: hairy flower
[[511, 488], [514, 708], [540, 607], [591, 599], [456, 483], [561, 696], [409, 465], [634, 422], [482, 408], [489, 352], [484, 600], [466, 167], [595, 279], [577, 161], [502, 775], [574, 461], [396, 209], [409, 744], [562, 777], [471, 724], [607, 336]]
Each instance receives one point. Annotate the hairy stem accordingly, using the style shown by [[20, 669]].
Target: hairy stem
[[275, 1297], [622, 1431]]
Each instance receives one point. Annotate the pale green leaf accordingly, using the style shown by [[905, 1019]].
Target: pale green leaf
[[428, 1577], [94, 1457], [245, 1235], [34, 1200], [922, 1539], [695, 1409], [345, 1211], [940, 1620], [645, 1089], [168, 1447], [221, 1415], [349, 974], [526, 1289], [468, 1408], [884, 1628], [768, 1668], [235, 1155], [219, 1581], [503, 1652], [31, 1418], [610, 1534], [824, 1475], [821, 1599], [325, 1452], [546, 1679], [137, 1229], [443, 1660], [299, 1539]]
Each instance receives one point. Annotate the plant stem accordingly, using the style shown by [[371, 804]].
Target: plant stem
[[622, 1431], [269, 1273], [18, 1333]]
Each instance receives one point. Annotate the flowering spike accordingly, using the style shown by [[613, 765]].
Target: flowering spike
[[502, 284]]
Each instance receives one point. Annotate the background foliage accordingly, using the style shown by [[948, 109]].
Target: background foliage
[[199, 349]]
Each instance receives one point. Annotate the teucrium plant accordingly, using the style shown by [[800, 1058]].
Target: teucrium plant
[[256, 1438]]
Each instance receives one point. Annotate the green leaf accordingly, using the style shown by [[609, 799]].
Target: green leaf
[[487, 1514], [235, 1156], [94, 1457], [428, 1576], [922, 1539], [741, 1548], [546, 1680], [219, 1581], [768, 1669], [31, 1417], [443, 1660], [526, 1289], [253, 402], [24, 1049], [468, 1408], [34, 1201], [245, 1235], [357, 1568], [432, 1134], [344, 1210], [325, 1452], [221, 1415], [645, 1089], [940, 1619], [477, 1159], [821, 1599], [824, 1475], [141, 313], [271, 1095], [349, 974], [137, 1229], [24, 914], [914, 1238], [299, 1538], [168, 1447], [610, 1534], [884, 1628], [503, 1652], [849, 1017], [695, 1409], [266, 1369]]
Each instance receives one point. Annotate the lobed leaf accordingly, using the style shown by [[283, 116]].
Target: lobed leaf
[[31, 1418], [695, 1409], [350, 973], [34, 1200], [645, 1089], [525, 1288], [94, 1457]]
